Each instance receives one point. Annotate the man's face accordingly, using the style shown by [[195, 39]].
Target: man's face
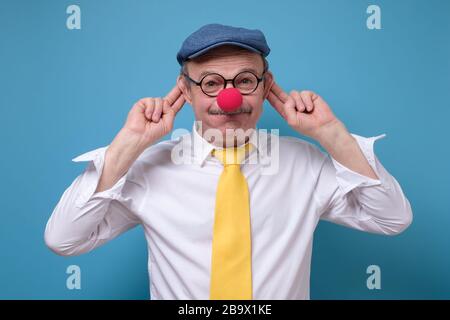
[[229, 65]]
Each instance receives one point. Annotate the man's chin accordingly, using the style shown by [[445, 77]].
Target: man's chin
[[231, 121], [230, 128]]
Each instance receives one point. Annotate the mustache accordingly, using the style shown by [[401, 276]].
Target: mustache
[[238, 111]]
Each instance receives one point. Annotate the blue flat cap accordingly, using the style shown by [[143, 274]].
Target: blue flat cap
[[214, 35]]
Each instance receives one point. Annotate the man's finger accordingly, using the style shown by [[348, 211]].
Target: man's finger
[[276, 89], [176, 106], [291, 113], [276, 103], [299, 105], [173, 95], [306, 97]]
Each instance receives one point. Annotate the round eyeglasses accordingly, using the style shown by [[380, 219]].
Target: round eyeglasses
[[212, 83]]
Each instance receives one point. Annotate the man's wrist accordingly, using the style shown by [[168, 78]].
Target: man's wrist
[[128, 141], [123, 152], [334, 136]]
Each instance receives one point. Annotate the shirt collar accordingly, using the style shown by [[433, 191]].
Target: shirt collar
[[202, 148]]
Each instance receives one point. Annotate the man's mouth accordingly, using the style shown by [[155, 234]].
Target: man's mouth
[[238, 111]]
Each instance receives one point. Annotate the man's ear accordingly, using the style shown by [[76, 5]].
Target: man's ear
[[182, 84], [268, 82]]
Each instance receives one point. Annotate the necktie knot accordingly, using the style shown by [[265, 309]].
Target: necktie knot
[[232, 155]]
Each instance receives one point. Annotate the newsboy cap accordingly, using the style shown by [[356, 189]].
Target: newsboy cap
[[214, 35]]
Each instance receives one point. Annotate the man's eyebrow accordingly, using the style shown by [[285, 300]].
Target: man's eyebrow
[[239, 71]]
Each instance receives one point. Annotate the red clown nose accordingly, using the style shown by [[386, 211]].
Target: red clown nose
[[229, 99]]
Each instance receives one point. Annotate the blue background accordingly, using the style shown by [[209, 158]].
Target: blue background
[[65, 92]]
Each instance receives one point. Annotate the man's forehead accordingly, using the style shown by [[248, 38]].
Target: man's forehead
[[229, 66], [236, 71]]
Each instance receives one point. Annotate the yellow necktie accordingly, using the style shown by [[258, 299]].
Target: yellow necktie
[[231, 268]]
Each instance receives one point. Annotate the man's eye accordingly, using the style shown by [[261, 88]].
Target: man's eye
[[211, 84], [246, 81]]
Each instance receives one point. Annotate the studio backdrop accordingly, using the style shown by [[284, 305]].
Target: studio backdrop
[[71, 70]]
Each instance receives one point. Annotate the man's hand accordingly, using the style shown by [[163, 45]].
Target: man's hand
[[148, 120], [152, 118], [305, 111], [308, 114]]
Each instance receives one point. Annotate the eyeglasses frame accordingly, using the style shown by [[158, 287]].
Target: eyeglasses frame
[[199, 83]]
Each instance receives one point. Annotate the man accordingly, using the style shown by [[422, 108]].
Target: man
[[218, 224]]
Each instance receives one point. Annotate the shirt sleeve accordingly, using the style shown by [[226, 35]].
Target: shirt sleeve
[[83, 220], [356, 201]]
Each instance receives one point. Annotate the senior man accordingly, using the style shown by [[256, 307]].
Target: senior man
[[218, 224]]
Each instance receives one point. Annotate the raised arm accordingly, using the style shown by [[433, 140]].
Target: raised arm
[[94, 209]]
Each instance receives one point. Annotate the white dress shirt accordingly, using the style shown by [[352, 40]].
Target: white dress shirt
[[175, 204]]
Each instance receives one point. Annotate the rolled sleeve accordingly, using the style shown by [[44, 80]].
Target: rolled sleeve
[[349, 179], [354, 200], [82, 219], [91, 178]]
